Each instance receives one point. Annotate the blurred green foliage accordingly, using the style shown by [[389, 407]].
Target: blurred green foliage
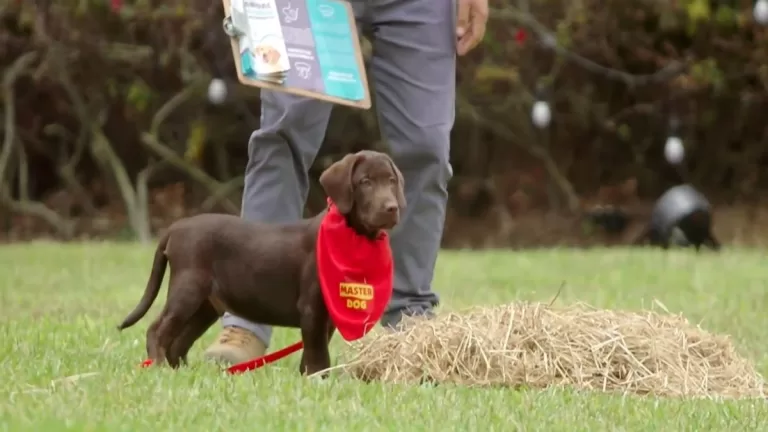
[[606, 126]]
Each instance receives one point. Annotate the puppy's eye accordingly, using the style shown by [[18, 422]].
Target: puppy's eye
[[365, 182], [392, 180]]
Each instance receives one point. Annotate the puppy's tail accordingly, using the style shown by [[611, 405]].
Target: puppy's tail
[[153, 284]]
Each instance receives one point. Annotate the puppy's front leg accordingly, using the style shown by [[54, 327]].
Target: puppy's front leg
[[314, 332], [331, 330]]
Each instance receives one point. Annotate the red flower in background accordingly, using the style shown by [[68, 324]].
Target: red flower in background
[[116, 5], [521, 36]]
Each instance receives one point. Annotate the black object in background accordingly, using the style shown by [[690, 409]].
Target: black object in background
[[681, 216]]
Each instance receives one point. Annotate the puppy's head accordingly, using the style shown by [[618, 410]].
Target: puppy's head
[[367, 188]]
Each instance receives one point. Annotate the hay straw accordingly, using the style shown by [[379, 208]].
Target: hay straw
[[537, 345]]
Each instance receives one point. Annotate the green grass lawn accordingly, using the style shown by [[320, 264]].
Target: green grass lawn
[[60, 305]]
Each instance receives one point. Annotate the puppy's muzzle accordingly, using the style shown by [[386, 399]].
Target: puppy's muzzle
[[388, 216]]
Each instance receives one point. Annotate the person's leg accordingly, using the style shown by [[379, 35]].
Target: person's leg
[[414, 73], [276, 187]]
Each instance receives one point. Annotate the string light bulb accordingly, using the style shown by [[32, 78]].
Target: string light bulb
[[541, 114], [760, 12], [674, 151], [217, 91]]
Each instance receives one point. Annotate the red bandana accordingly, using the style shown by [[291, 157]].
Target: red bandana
[[355, 275]]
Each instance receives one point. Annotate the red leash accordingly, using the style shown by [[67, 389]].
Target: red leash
[[255, 363], [265, 359]]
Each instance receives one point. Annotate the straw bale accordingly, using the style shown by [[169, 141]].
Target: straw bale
[[536, 345]]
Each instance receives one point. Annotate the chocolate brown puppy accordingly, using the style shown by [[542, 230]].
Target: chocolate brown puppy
[[265, 273]]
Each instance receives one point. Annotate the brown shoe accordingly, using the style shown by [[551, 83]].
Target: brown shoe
[[235, 345], [393, 321]]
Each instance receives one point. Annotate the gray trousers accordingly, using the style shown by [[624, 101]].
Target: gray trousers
[[413, 72]]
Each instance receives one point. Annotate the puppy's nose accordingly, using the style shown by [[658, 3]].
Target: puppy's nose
[[391, 207]]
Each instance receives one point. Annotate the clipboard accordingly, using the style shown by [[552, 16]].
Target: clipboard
[[322, 55]]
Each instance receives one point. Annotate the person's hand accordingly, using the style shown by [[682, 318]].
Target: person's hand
[[470, 24]]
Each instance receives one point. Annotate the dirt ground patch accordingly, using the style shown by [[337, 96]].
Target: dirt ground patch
[[496, 228], [739, 225]]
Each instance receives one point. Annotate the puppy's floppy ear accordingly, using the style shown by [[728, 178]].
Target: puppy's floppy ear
[[337, 182], [399, 190]]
